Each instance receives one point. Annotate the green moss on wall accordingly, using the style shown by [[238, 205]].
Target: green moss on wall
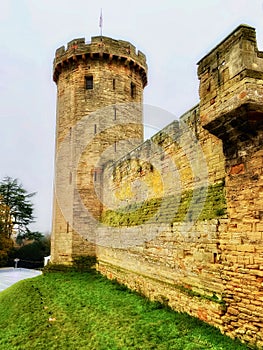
[[200, 204], [212, 297]]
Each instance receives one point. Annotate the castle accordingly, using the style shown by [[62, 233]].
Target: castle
[[178, 217]]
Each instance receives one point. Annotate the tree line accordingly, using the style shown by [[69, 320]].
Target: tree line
[[16, 238]]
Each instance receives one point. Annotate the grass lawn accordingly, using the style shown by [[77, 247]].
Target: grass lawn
[[86, 311]]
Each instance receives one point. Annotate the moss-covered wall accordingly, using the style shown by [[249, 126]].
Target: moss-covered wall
[[182, 220], [168, 210], [164, 207]]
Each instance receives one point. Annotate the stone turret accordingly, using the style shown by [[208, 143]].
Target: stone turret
[[99, 101], [231, 96], [231, 87], [101, 47]]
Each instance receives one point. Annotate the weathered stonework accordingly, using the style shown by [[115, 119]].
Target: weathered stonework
[[179, 217], [235, 115], [94, 81]]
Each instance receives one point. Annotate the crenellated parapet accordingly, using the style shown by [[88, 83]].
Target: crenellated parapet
[[100, 47], [231, 85]]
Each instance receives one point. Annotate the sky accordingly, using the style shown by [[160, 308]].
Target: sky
[[174, 35]]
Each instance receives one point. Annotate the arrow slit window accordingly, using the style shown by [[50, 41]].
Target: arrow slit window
[[133, 90], [89, 82]]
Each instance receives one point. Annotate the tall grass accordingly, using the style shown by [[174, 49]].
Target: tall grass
[[86, 311]]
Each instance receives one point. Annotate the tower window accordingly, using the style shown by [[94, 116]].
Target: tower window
[[133, 90], [96, 174], [89, 82], [95, 128], [115, 112], [114, 84]]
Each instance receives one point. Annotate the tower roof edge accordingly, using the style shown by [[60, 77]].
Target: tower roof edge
[[101, 47]]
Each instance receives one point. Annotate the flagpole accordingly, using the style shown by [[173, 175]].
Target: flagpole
[[101, 22]]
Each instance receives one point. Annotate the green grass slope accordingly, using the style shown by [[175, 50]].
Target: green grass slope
[[86, 311]]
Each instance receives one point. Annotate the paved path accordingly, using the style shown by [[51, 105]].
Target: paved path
[[10, 275]]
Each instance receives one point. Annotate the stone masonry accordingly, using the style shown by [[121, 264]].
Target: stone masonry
[[179, 217], [93, 82]]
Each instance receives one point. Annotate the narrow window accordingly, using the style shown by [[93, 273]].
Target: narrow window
[[95, 175], [67, 227], [115, 146], [95, 128], [89, 82], [113, 84], [133, 90], [215, 258], [115, 112]]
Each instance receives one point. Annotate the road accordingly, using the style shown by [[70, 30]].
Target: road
[[10, 275]]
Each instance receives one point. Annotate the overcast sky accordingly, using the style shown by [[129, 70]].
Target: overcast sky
[[174, 35]]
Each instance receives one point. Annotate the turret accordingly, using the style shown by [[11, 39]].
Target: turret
[[99, 107]]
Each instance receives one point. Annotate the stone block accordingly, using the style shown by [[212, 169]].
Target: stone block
[[246, 248]]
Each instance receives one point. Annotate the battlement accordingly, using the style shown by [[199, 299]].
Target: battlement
[[100, 47], [242, 32], [231, 81]]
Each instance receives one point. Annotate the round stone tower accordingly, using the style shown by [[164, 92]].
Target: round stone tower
[[99, 105]]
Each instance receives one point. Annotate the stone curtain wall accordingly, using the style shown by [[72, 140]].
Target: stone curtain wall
[[178, 172], [160, 233], [192, 237]]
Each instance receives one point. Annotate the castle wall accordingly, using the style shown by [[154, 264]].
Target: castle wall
[[178, 218], [187, 233], [232, 110], [160, 234]]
